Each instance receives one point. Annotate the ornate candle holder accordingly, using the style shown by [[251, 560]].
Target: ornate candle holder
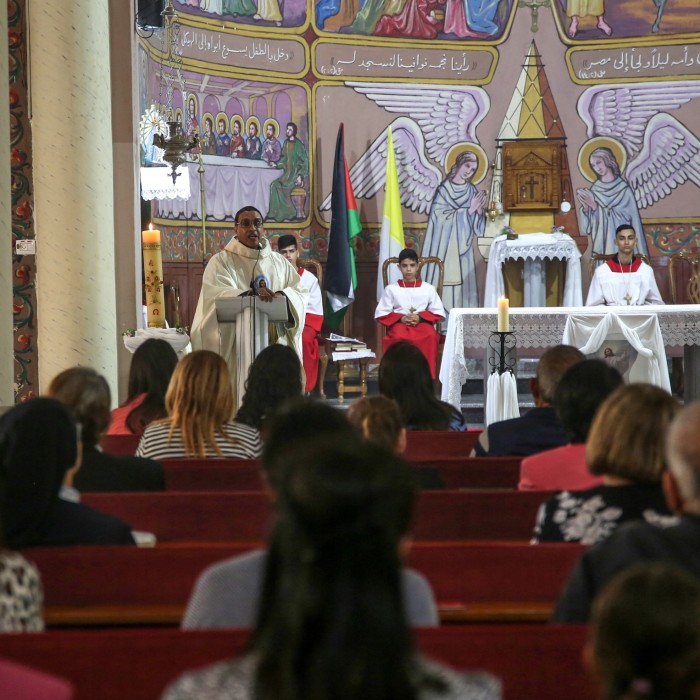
[[502, 343]]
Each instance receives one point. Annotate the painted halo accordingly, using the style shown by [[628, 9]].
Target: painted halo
[[179, 116], [210, 116], [252, 120], [584, 155], [192, 98], [480, 153], [241, 126], [221, 116], [274, 123]]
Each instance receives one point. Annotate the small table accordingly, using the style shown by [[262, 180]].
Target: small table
[[533, 248], [362, 358]]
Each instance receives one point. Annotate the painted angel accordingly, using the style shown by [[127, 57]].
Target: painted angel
[[637, 154], [439, 164]]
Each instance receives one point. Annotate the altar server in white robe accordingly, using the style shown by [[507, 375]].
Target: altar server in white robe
[[624, 280], [248, 266]]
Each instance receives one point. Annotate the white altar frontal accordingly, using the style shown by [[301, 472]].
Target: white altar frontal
[[534, 249], [587, 327], [229, 183]]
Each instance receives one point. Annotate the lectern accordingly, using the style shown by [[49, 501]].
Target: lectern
[[252, 318]]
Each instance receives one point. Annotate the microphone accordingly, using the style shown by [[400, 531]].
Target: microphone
[[253, 290]]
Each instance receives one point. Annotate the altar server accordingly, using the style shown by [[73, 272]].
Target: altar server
[[624, 280], [410, 308]]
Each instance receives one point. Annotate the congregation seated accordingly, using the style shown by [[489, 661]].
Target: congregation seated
[[539, 429], [332, 591], [227, 594], [639, 542], [624, 279], [199, 402], [86, 393], [151, 368], [579, 394], [626, 447], [404, 375], [645, 640], [378, 420], [409, 308], [273, 379], [39, 454]]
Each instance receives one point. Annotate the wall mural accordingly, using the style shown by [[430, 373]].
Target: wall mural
[[265, 83]]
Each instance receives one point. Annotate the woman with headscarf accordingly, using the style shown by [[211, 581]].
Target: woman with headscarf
[[39, 456]]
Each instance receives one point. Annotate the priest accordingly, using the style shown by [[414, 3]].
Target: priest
[[248, 266], [624, 280]]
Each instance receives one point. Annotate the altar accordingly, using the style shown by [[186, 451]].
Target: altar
[[229, 185], [469, 330], [534, 249]]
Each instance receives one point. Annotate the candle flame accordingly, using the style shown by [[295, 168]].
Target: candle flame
[[150, 227]]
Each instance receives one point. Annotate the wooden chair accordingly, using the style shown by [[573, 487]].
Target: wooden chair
[[693, 285], [314, 266], [599, 257], [421, 261]]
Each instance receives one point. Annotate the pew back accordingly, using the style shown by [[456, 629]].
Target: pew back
[[532, 661], [424, 444], [245, 516], [244, 474]]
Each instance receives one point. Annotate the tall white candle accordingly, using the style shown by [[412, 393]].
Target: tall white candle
[[503, 320]]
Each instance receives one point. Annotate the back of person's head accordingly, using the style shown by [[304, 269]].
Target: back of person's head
[[628, 435], [273, 378], [151, 369], [378, 419], [683, 454], [404, 375], [199, 400], [331, 601], [579, 394], [551, 368], [301, 421], [87, 394], [645, 641], [38, 445]]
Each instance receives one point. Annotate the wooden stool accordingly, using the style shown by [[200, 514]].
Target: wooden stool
[[362, 387]]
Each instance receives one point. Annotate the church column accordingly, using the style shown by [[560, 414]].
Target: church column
[[6, 335], [73, 186]]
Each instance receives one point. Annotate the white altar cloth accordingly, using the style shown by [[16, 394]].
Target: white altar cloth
[[229, 184], [533, 248], [544, 327]]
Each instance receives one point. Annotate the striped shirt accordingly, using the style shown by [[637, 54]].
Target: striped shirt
[[245, 443]]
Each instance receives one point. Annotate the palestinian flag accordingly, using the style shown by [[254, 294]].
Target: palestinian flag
[[341, 277]]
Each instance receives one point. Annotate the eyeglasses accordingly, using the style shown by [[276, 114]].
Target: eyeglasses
[[247, 223]]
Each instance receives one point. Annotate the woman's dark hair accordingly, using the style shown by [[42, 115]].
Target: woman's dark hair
[[38, 445], [331, 622], [273, 378], [87, 394], [404, 375], [645, 637], [152, 366], [580, 392]]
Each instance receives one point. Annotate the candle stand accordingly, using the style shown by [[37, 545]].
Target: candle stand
[[502, 344]]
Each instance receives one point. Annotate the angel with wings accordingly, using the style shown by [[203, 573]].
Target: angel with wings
[[439, 163], [631, 131]]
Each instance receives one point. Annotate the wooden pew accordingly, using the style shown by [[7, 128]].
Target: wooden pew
[[244, 516], [425, 444], [472, 582], [120, 444], [533, 661], [244, 474], [475, 472]]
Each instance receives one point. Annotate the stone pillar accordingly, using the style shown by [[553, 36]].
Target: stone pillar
[[73, 186], [6, 336]]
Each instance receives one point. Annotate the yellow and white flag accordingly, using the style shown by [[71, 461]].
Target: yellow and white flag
[[391, 240]]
